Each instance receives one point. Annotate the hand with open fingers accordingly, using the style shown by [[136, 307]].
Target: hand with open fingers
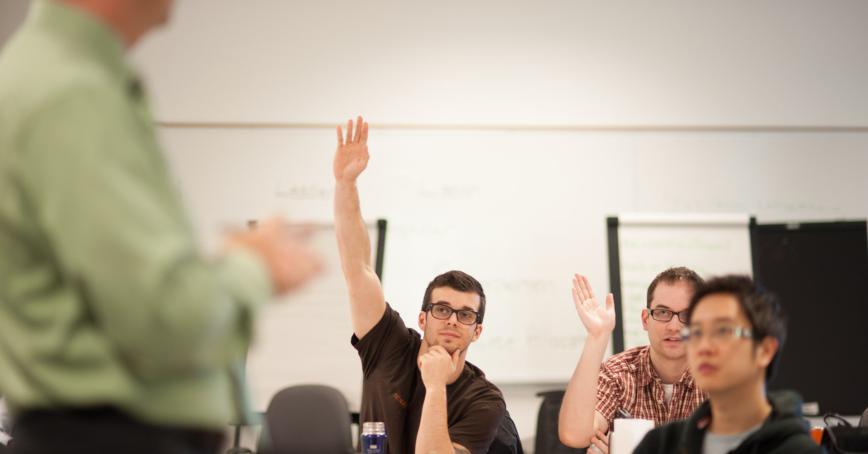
[[351, 157], [291, 262], [600, 442], [599, 320], [437, 365]]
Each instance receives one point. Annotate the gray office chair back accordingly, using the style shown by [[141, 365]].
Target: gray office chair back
[[307, 419], [547, 440]]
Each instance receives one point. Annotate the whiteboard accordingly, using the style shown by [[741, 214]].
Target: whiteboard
[[519, 210], [648, 243], [304, 338]]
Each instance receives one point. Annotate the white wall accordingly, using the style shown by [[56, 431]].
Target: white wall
[[550, 62], [549, 115]]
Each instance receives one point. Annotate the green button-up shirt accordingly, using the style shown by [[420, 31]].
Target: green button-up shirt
[[104, 296]]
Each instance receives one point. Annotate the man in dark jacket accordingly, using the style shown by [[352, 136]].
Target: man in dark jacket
[[733, 335]]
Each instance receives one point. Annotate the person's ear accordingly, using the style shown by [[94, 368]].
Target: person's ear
[[422, 320], [645, 319], [477, 332], [765, 351]]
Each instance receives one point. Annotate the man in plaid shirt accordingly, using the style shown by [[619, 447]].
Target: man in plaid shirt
[[648, 382]]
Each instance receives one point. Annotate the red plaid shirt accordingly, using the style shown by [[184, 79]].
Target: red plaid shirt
[[628, 381]]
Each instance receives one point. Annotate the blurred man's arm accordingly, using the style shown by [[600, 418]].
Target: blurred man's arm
[[101, 196]]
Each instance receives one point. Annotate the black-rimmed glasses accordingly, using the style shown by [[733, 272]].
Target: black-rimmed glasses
[[444, 311], [664, 315]]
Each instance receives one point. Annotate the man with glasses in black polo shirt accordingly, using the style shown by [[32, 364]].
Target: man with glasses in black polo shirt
[[428, 396]]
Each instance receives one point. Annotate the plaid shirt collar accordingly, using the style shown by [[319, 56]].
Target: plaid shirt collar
[[648, 375]]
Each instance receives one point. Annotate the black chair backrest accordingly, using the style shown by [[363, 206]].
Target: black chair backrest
[[307, 419], [547, 440]]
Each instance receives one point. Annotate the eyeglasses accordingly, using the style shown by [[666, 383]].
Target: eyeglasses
[[716, 335], [664, 315], [443, 312]]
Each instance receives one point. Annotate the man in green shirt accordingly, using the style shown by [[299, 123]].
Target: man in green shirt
[[116, 335]]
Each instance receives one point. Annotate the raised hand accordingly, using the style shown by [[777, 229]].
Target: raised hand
[[351, 157], [598, 320], [437, 365]]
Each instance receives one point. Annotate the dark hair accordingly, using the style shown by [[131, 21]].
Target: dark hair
[[762, 309], [456, 280], [671, 276]]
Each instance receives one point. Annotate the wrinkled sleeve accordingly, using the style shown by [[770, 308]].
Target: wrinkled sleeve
[[610, 394], [383, 342], [105, 202], [477, 430]]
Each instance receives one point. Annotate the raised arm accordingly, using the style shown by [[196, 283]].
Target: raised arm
[[579, 421], [367, 303]]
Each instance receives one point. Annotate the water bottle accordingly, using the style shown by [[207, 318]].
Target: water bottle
[[373, 438]]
